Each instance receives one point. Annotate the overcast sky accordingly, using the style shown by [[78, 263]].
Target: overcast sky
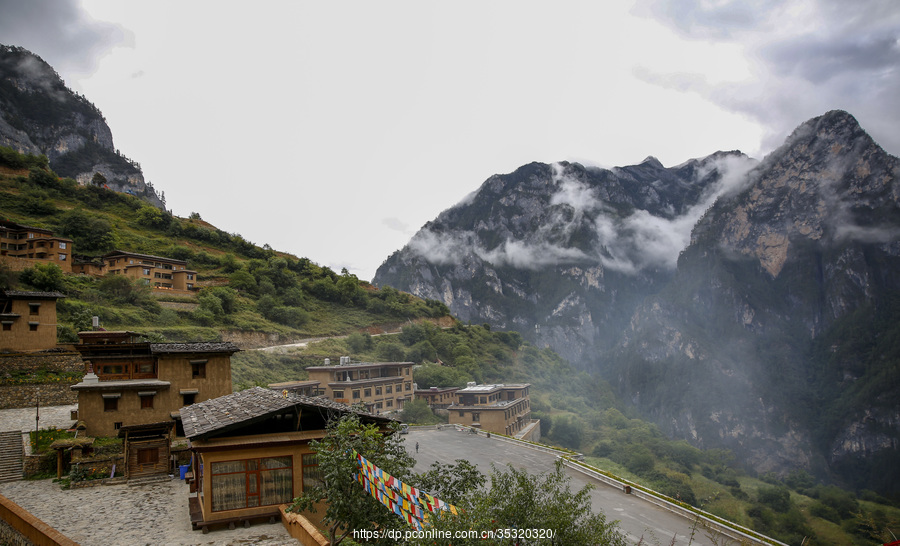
[[335, 129]]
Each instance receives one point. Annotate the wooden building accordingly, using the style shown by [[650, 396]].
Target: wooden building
[[147, 448], [22, 247], [251, 452], [27, 320], [133, 382], [503, 409], [380, 386]]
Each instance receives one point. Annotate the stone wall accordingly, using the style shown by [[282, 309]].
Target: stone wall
[[68, 361], [27, 395], [49, 393], [11, 537]]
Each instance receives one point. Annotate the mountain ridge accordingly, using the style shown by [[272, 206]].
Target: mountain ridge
[[714, 313], [40, 115]]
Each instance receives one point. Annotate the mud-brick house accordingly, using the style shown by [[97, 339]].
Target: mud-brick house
[[503, 409], [27, 320], [129, 381], [251, 452], [22, 247], [381, 386], [157, 271]]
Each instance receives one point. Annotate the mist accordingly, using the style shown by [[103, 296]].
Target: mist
[[627, 244]]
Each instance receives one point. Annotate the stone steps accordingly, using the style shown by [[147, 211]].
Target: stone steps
[[12, 456]]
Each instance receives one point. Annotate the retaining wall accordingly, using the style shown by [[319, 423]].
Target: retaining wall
[[27, 395], [18, 524], [707, 521]]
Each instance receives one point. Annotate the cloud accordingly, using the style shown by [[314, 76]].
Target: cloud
[[625, 244], [60, 32], [808, 57]]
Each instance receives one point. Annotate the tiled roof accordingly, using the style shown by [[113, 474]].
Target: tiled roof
[[203, 347], [251, 404], [26, 294]]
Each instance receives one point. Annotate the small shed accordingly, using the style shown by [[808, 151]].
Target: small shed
[[147, 448]]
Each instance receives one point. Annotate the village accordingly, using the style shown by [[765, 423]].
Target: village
[[241, 456]]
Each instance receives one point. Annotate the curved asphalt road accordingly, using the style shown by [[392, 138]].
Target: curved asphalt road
[[637, 519]]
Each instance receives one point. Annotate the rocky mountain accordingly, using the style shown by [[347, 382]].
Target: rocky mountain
[[753, 306], [40, 115]]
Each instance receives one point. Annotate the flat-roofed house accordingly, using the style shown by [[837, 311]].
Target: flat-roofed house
[[502, 409], [437, 397], [381, 386], [251, 452], [157, 271], [23, 246], [27, 320], [130, 381]]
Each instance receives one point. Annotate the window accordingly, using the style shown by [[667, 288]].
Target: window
[[62, 245], [312, 475], [251, 482], [146, 270], [390, 403], [7, 326], [62, 257], [117, 425], [406, 371], [146, 400], [377, 391], [148, 455], [388, 389], [367, 392], [462, 414], [110, 404], [188, 398], [407, 386], [356, 394], [34, 308], [378, 405], [338, 394], [33, 326], [476, 417], [198, 369]]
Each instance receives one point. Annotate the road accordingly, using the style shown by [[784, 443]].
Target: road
[[637, 519]]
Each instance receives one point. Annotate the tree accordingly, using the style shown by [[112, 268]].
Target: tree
[[98, 180], [47, 277], [359, 342], [417, 412], [453, 483], [349, 506], [519, 500]]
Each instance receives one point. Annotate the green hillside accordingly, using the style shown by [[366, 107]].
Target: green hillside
[[248, 288]]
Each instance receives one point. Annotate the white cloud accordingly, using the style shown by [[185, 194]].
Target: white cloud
[[625, 244]]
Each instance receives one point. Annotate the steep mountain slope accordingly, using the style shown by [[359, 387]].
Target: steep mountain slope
[[40, 115], [776, 335], [561, 252]]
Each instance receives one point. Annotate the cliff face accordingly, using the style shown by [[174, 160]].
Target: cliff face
[[561, 252], [740, 305], [40, 115]]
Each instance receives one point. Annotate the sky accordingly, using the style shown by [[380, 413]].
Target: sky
[[334, 130]]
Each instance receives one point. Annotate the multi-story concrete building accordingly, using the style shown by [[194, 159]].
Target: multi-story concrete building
[[134, 382], [437, 397], [380, 386], [159, 272], [503, 409], [23, 246], [27, 320]]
